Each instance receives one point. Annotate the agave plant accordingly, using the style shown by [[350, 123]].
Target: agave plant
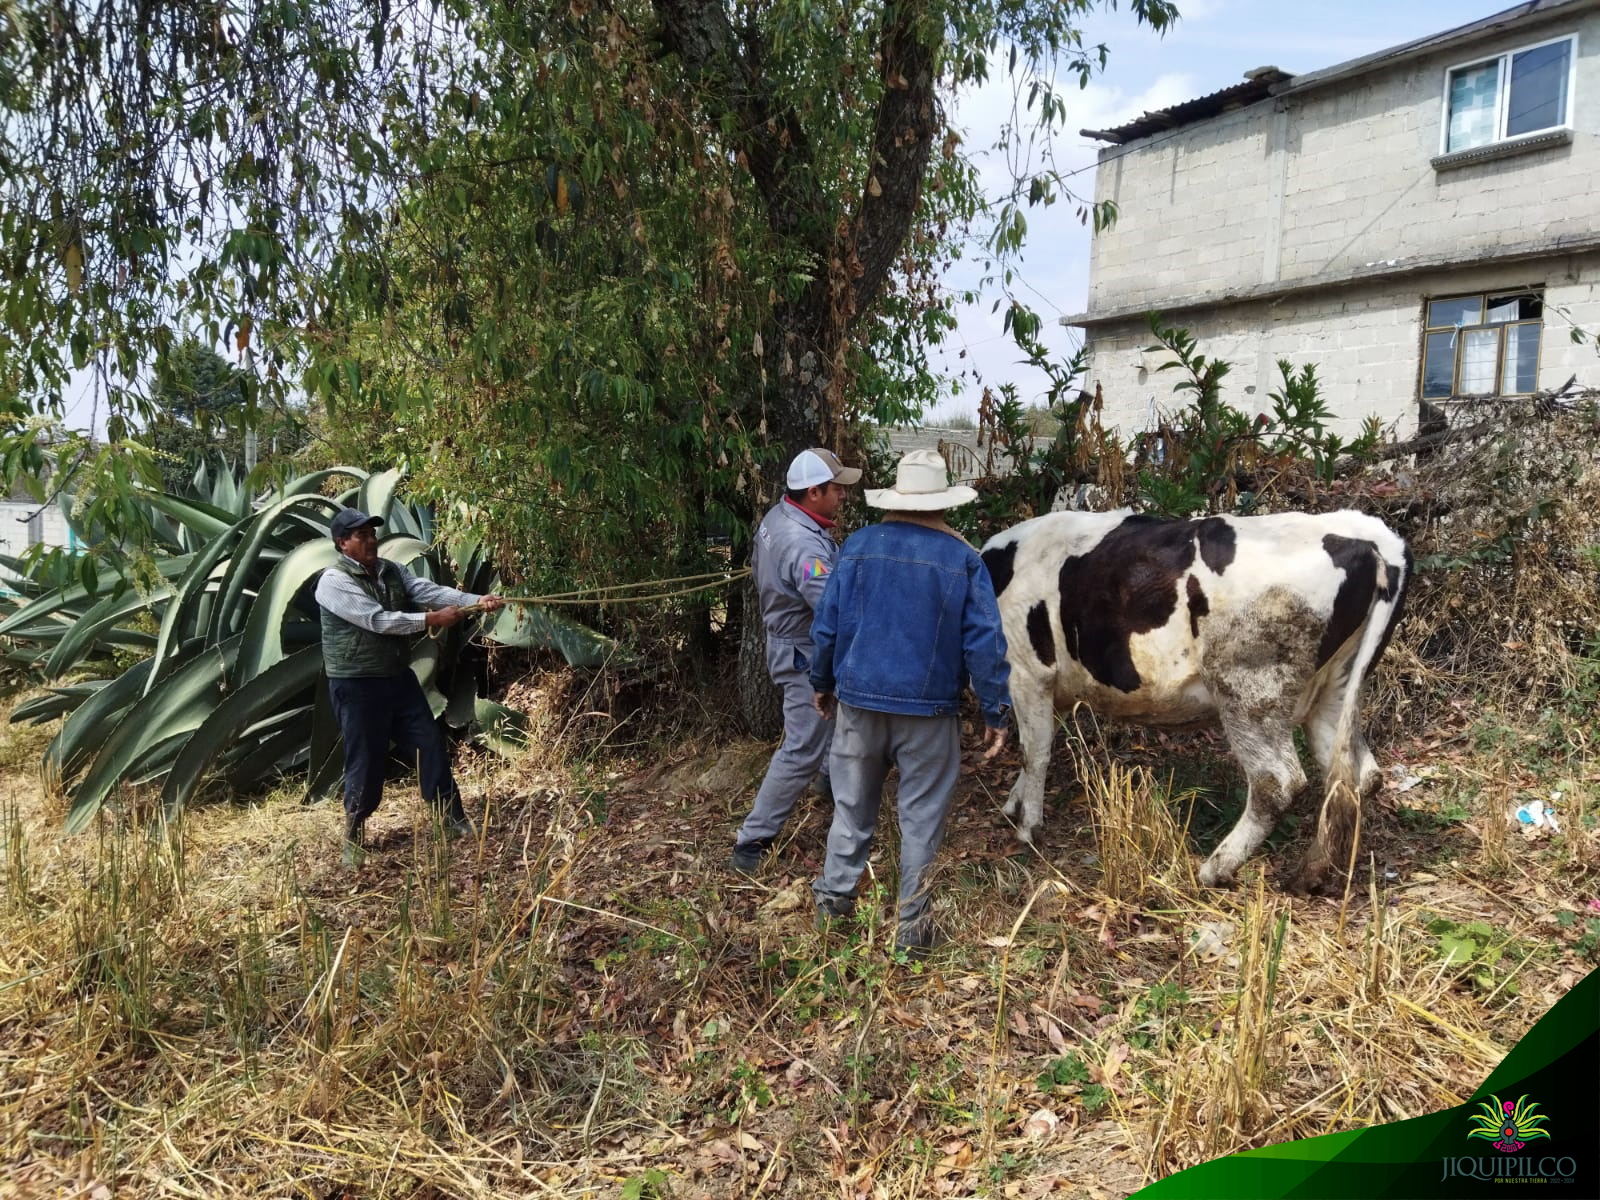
[[231, 675]]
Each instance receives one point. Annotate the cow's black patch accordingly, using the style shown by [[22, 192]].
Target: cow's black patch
[[1039, 635], [1358, 559], [1218, 541], [1000, 561], [1199, 606], [1127, 584], [1396, 581]]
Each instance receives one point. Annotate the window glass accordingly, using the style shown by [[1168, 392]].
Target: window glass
[[1515, 308], [1463, 310], [1522, 360], [1480, 350], [1473, 91], [1538, 88], [1439, 365]]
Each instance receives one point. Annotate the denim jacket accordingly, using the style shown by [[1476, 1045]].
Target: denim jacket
[[908, 616]]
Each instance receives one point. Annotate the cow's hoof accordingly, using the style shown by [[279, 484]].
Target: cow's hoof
[[1213, 876], [1314, 879], [1025, 836]]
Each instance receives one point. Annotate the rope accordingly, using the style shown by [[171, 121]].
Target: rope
[[616, 593], [619, 593]]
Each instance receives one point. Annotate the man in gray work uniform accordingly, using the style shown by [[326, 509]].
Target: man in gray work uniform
[[792, 559], [371, 611]]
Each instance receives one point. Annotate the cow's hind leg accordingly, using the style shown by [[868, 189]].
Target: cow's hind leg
[[1348, 783], [1265, 749], [1321, 725], [1034, 709]]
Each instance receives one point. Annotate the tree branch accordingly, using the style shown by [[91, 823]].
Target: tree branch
[[902, 142]]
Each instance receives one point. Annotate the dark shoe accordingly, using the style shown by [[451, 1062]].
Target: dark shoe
[[822, 789], [456, 825], [919, 943], [832, 909], [746, 857], [354, 841]]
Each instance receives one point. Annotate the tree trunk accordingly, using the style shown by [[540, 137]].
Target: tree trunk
[[760, 701], [806, 368]]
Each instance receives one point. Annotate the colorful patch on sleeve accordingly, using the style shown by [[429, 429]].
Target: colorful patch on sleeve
[[814, 568]]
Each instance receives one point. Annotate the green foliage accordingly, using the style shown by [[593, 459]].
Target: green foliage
[[1206, 456], [1475, 947], [232, 679], [1158, 1014], [1095, 1097], [203, 418], [1068, 1069], [595, 271], [1211, 457], [650, 1184]]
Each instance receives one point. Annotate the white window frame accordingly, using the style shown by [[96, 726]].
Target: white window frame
[[1503, 93]]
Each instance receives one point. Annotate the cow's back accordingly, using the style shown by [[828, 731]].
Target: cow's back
[[1146, 618]]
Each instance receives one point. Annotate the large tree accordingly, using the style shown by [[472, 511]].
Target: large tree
[[597, 269]]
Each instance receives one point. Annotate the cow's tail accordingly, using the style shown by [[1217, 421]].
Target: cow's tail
[[1339, 824]]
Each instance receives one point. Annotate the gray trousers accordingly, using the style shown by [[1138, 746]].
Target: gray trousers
[[804, 752], [928, 752]]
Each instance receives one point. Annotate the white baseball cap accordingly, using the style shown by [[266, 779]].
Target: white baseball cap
[[815, 466]]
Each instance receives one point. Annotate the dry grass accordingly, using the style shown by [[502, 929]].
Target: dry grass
[[582, 1004], [573, 1004]]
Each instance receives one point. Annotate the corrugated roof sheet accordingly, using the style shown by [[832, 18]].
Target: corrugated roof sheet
[[1266, 81], [1257, 87]]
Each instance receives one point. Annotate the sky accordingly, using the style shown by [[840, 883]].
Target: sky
[[1211, 46]]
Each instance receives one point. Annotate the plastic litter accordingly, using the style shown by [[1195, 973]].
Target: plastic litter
[[1210, 941], [1536, 817]]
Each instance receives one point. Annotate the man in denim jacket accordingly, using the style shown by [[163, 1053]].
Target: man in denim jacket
[[792, 558], [908, 617]]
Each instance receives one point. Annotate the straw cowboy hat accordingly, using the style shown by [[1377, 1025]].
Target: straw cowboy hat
[[921, 485]]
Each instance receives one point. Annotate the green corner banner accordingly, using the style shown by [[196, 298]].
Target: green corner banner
[[1531, 1129]]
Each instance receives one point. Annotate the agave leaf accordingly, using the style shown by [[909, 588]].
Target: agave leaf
[[75, 595], [325, 765], [530, 626], [409, 520], [263, 631], [113, 610], [92, 722], [505, 729], [256, 700], [228, 616], [227, 495], [377, 493], [204, 520], [269, 751], [179, 705], [50, 630], [181, 619], [303, 485], [156, 761], [460, 710], [425, 655], [56, 701]]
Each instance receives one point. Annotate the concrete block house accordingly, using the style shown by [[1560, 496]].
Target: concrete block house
[[1420, 223]]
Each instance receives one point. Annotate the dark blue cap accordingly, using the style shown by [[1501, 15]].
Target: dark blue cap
[[347, 520]]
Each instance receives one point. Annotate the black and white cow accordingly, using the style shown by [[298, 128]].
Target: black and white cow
[[1263, 623]]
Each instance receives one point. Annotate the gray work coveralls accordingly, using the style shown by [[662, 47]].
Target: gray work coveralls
[[792, 559]]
